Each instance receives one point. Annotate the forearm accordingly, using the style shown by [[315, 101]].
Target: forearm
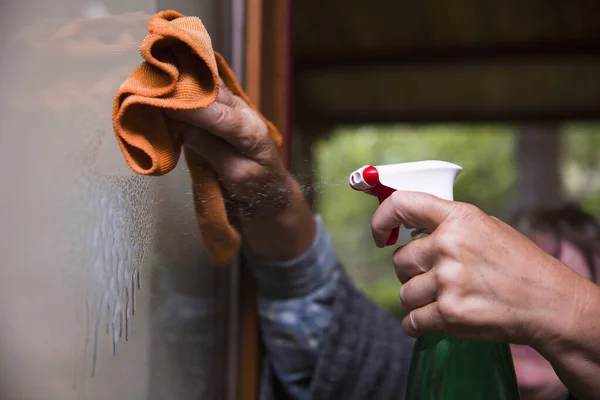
[[574, 350], [283, 231], [295, 304]]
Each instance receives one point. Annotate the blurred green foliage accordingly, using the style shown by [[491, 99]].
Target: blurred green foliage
[[487, 155], [581, 164]]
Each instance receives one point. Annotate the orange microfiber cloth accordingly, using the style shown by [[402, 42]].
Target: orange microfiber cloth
[[181, 71]]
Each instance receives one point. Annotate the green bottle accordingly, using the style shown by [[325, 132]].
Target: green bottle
[[442, 367], [446, 368]]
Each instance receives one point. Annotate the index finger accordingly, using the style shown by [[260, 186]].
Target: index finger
[[413, 209], [239, 127]]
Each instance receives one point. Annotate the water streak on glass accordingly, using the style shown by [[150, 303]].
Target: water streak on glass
[[105, 290]]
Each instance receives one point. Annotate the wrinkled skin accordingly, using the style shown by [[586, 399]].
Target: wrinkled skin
[[477, 278], [536, 377], [474, 276], [276, 219]]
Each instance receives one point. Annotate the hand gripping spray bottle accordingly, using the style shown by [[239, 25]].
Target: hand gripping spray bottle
[[442, 367]]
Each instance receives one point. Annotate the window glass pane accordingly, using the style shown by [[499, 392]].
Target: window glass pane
[[95, 259]]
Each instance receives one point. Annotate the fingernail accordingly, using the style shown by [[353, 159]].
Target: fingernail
[[413, 324]]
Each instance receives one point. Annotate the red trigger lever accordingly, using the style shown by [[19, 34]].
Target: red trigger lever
[[371, 177]]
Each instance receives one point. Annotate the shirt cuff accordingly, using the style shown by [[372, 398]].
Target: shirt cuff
[[299, 276]]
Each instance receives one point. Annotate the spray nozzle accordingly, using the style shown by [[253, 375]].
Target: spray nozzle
[[433, 177]]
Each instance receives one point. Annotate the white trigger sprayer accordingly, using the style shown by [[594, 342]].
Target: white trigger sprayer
[[433, 177]]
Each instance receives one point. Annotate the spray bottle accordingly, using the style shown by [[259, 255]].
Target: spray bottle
[[442, 367]]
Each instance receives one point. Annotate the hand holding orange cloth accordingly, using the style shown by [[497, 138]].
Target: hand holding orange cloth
[[180, 72]]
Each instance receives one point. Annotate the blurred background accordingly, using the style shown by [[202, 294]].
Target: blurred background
[[507, 89], [508, 167]]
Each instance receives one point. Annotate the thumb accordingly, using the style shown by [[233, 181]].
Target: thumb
[[413, 209]]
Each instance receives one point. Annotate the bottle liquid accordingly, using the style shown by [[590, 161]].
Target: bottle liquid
[[442, 367]]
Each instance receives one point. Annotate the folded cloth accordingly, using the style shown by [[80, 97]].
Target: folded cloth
[[181, 71]]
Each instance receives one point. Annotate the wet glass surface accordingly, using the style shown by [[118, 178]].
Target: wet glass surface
[[105, 290]]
